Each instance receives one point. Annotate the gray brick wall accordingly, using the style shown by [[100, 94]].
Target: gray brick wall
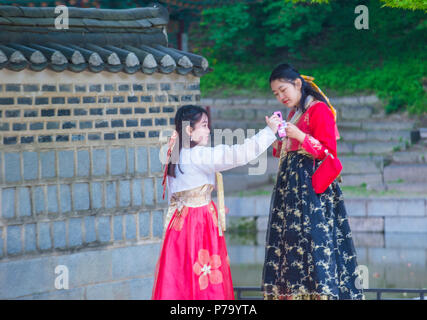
[[89, 112], [80, 185]]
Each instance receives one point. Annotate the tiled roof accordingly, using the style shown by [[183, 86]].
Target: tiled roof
[[130, 40]]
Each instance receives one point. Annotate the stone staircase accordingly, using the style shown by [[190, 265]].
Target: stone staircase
[[382, 153]]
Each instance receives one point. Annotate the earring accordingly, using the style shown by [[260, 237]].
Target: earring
[[191, 138]]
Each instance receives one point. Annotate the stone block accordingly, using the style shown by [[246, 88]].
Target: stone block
[[356, 207], [157, 223], [131, 161], [125, 265], [405, 224], [39, 201], [24, 201], [18, 278], [99, 162], [366, 224], [66, 163], [31, 164], [90, 232], [14, 239], [75, 237], [81, 196], [137, 192], [155, 164], [30, 240], [59, 234], [52, 199], [44, 237], [104, 229], [144, 224], [65, 196], [110, 194], [125, 194], [118, 227], [142, 160], [83, 163], [12, 167], [8, 203], [96, 195], [148, 191], [130, 223], [47, 160], [118, 161]]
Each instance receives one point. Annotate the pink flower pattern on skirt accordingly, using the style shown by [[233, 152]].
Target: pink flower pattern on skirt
[[206, 267]]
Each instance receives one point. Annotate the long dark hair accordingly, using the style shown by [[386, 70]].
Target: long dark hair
[[187, 113], [289, 74]]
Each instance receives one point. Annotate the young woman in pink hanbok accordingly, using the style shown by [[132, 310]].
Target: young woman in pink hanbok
[[193, 262]]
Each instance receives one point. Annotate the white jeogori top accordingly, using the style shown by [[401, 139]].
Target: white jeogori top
[[200, 163]]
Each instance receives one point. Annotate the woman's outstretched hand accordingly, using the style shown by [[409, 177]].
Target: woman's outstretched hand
[[273, 122]]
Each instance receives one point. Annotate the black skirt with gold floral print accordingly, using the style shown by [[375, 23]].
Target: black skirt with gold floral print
[[309, 247]]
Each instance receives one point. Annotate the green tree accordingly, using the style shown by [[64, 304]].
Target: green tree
[[403, 4], [225, 31], [243, 32]]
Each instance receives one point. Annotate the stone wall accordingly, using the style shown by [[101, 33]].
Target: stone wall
[[80, 180]]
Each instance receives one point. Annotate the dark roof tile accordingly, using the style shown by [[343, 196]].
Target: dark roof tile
[[129, 40]]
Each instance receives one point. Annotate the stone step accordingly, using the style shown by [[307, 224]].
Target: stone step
[[369, 147], [388, 125], [410, 172], [402, 137], [355, 173], [376, 135], [361, 164], [354, 112], [351, 165], [361, 130], [349, 113], [362, 207], [370, 179], [357, 170], [337, 102], [371, 100], [410, 157], [238, 182], [413, 187]]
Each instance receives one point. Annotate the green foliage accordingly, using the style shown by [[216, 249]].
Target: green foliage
[[394, 81], [402, 4], [236, 76], [242, 226], [225, 30], [288, 25], [396, 103], [389, 59], [406, 4], [261, 28]]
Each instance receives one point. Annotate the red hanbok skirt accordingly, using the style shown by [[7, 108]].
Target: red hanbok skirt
[[193, 262]]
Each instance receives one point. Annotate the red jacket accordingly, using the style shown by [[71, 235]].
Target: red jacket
[[321, 132]]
